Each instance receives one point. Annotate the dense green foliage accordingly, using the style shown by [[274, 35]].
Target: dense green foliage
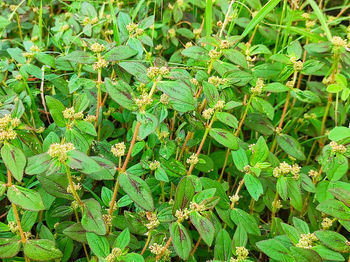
[[174, 130]]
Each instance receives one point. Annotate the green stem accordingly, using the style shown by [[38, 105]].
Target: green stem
[[74, 192]]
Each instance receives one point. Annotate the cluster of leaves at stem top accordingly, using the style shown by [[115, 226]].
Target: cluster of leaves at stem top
[[183, 130]]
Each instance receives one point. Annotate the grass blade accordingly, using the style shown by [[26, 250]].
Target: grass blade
[[321, 18], [208, 17], [260, 15], [115, 24]]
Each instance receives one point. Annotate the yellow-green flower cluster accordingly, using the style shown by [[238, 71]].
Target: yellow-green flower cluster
[[216, 81], [182, 215], [76, 187], [34, 48], [192, 160], [118, 150], [90, 118], [101, 63], [257, 89], [337, 148], [164, 99], [276, 204], [326, 223], [284, 169], [153, 222], [143, 100], [225, 44], [241, 253], [197, 207], [116, 252], [157, 249], [97, 48], [213, 54], [208, 113], [59, 151], [154, 165], [7, 126], [134, 30], [338, 42], [306, 240], [69, 113], [157, 73], [172, 32]]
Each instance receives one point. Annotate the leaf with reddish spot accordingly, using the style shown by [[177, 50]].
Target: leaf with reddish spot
[[181, 240], [184, 194], [224, 138], [204, 227], [14, 159], [138, 190]]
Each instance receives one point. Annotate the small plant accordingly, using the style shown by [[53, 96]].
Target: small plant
[[180, 130]]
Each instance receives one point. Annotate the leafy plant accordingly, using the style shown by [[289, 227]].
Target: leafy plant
[[174, 130]]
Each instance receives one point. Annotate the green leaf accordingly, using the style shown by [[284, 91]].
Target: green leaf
[[138, 190], [253, 186], [222, 249], [76, 232], [204, 227], [17, 54], [133, 257], [123, 239], [291, 146], [180, 95], [236, 57], [341, 194], [39, 163], [294, 194], [333, 240], [4, 22], [85, 127], [291, 232], [334, 88], [334, 208], [55, 184], [197, 53], [121, 92], [224, 138], [305, 255], [242, 218], [181, 240], [184, 193], [328, 254], [92, 219], [275, 250], [260, 123], [339, 133], [211, 93], [25, 198], [138, 70], [265, 10], [227, 119], [56, 109], [282, 187], [149, 123], [275, 88], [260, 151], [9, 247], [240, 159], [41, 250], [98, 244], [14, 160], [80, 161], [119, 53], [80, 57]]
